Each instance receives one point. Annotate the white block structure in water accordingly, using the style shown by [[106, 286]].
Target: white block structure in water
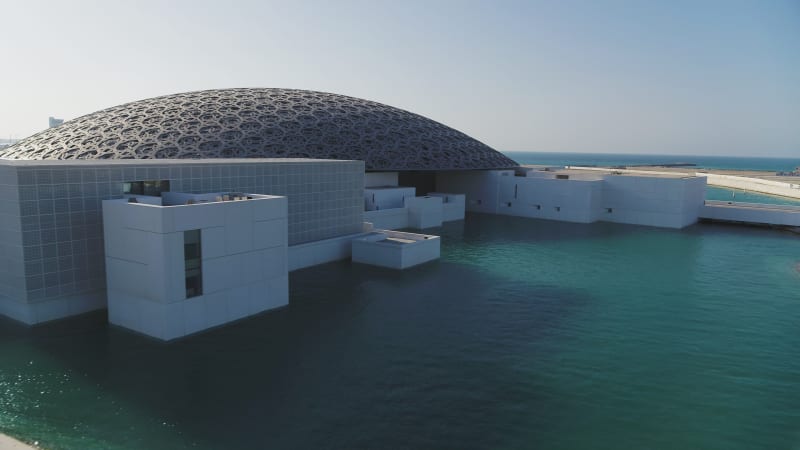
[[394, 207], [183, 263], [424, 212], [670, 201], [395, 249]]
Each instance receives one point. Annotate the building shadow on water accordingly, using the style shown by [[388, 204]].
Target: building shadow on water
[[363, 357]]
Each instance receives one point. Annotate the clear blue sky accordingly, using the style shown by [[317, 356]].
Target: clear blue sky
[[703, 77]]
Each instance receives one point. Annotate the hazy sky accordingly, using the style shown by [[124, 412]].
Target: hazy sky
[[703, 77]]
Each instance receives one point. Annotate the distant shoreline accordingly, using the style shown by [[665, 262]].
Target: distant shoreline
[[695, 162]]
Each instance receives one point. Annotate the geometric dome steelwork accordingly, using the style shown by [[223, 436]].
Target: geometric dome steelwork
[[263, 123]]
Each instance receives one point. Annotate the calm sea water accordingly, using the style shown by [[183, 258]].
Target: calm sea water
[[615, 159], [739, 195], [526, 334]]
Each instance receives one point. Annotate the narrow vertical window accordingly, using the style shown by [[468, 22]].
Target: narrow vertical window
[[193, 263]]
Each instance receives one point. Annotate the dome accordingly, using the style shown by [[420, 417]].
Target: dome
[[262, 123]]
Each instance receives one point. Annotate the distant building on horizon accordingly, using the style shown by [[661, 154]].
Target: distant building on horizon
[[54, 122]]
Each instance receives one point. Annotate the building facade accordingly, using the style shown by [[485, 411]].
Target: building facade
[[51, 227]]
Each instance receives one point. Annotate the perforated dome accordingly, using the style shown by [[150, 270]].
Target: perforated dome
[[262, 123]]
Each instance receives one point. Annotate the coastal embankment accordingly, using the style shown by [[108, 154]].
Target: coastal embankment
[[748, 180], [766, 186], [9, 443]]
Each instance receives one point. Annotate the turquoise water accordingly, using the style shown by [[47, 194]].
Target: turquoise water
[[525, 334], [739, 195], [618, 159]]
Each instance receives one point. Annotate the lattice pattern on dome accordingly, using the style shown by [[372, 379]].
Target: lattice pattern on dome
[[262, 123]]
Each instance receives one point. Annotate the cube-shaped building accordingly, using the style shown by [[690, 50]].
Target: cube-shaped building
[[182, 263]]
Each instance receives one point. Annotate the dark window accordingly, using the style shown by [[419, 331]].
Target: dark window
[[192, 258], [153, 188], [562, 177]]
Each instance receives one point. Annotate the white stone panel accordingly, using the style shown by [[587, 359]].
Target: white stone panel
[[213, 241], [273, 208], [143, 217], [50, 310], [216, 309], [194, 315], [81, 303], [201, 215], [273, 261], [123, 310], [387, 197], [453, 205], [238, 237], [388, 219], [19, 311], [173, 320], [278, 292], [269, 233], [127, 276], [217, 274], [258, 297], [238, 303], [253, 265], [319, 252], [153, 320], [424, 212]]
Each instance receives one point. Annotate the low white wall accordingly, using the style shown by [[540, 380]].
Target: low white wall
[[753, 184], [452, 208], [652, 201], [553, 199], [631, 171], [145, 199], [481, 187], [52, 309], [453, 205], [424, 212], [374, 249], [386, 198], [319, 252], [388, 219], [644, 200], [756, 213]]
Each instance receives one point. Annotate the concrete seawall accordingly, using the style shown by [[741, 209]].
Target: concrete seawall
[[9, 443], [751, 213], [753, 184]]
